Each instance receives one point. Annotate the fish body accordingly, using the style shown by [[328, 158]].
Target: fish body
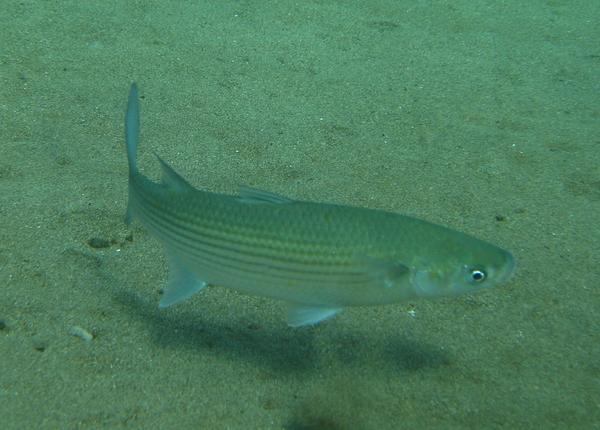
[[317, 257]]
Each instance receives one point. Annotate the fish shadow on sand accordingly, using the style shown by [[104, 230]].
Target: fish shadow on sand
[[274, 346], [282, 349]]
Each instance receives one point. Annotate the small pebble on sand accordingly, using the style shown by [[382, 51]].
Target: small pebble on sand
[[81, 333]]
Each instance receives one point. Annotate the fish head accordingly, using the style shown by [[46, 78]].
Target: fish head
[[464, 268]]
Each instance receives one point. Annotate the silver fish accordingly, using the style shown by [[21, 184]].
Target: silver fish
[[317, 257]]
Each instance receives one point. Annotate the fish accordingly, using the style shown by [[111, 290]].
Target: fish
[[318, 258]]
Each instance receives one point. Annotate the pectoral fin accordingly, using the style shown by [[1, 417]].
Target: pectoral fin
[[182, 283], [387, 272], [300, 315]]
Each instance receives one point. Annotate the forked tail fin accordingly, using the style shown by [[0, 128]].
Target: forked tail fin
[[132, 136], [132, 128]]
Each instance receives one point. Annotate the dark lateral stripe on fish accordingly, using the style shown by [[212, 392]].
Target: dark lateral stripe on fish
[[231, 256], [208, 236], [236, 268], [244, 236], [231, 260]]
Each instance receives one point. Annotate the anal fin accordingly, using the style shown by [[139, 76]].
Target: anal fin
[[182, 283], [300, 315]]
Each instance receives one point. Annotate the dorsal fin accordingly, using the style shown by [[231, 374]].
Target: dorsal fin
[[172, 179]]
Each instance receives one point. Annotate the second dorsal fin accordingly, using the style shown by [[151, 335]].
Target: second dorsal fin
[[254, 195]]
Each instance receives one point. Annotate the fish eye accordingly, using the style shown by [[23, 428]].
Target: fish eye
[[478, 275]]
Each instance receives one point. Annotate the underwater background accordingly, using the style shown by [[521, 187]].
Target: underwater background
[[480, 116]]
